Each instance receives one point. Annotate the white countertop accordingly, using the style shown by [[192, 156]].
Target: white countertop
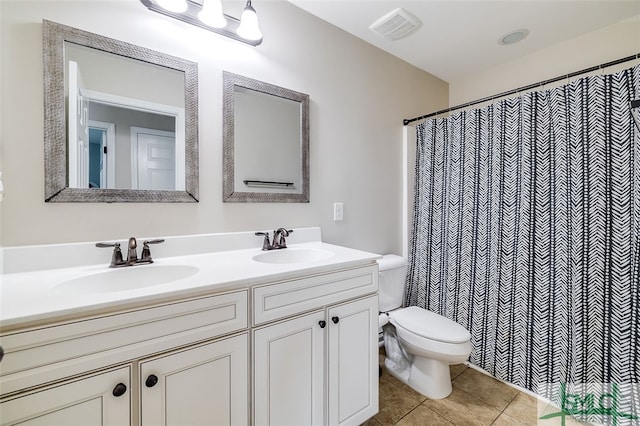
[[37, 297]]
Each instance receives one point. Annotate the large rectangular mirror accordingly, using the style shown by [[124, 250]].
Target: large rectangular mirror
[[120, 121], [266, 142]]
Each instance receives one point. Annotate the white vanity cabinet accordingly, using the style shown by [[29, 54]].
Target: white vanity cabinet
[[53, 375], [297, 347], [320, 367]]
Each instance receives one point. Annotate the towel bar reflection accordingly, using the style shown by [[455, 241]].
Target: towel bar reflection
[[268, 184]]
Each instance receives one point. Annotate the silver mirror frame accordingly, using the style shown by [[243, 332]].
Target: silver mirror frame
[[55, 132], [230, 81]]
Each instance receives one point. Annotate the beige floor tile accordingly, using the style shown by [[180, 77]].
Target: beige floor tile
[[394, 401], [485, 387], [462, 409], [402, 387], [506, 420], [387, 379], [371, 422], [523, 408], [422, 416], [457, 369]]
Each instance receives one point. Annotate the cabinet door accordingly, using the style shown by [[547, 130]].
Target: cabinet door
[[288, 373], [201, 385], [353, 362], [103, 399]]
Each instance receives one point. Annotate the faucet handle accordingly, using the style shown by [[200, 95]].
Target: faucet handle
[[116, 258], [106, 245], [266, 245], [158, 241], [146, 252]]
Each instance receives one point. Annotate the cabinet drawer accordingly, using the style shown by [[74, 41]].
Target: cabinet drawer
[[287, 298], [49, 353]]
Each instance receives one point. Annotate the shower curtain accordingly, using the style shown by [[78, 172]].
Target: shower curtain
[[527, 231]]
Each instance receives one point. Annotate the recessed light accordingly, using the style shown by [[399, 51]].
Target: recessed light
[[513, 37]]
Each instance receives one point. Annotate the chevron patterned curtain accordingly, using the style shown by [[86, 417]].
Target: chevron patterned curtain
[[527, 231]]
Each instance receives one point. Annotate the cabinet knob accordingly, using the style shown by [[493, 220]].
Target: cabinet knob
[[151, 381], [322, 324], [120, 389], [1, 353], [335, 320]]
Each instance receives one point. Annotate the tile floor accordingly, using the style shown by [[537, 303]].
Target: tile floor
[[477, 399]]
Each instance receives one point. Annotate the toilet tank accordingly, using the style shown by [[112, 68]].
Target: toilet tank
[[392, 275]]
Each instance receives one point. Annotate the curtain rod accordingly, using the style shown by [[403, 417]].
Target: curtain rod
[[407, 121]]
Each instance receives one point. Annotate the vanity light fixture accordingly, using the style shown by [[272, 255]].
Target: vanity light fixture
[[249, 28], [212, 15], [208, 14]]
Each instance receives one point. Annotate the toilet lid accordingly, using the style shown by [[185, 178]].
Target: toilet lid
[[430, 325]]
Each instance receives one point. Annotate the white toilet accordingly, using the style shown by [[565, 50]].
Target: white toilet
[[420, 344]]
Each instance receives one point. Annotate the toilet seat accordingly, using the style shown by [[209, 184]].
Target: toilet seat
[[430, 325]]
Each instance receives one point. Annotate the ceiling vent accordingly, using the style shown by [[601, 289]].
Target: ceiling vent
[[396, 24]]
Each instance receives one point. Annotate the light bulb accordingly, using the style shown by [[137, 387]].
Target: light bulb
[[211, 14], [249, 28], [175, 6]]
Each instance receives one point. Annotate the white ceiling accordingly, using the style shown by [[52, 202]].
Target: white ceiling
[[459, 37]]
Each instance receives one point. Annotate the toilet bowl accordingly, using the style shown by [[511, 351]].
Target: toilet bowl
[[433, 342], [420, 344]]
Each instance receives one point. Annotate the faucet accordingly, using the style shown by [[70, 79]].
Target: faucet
[[280, 243], [278, 239], [117, 260]]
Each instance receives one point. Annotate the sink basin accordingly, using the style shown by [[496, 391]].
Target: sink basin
[[127, 278], [293, 255]]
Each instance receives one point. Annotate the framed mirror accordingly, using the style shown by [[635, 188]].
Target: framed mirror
[[121, 121], [265, 142]]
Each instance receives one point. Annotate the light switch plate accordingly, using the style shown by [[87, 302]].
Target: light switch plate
[[338, 211]]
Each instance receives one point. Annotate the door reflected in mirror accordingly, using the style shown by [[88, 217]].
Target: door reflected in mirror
[[122, 132], [136, 158]]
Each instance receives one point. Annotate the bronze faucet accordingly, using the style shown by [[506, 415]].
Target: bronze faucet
[[278, 239], [132, 255]]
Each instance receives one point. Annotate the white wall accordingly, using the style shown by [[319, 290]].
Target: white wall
[[604, 45], [359, 96]]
